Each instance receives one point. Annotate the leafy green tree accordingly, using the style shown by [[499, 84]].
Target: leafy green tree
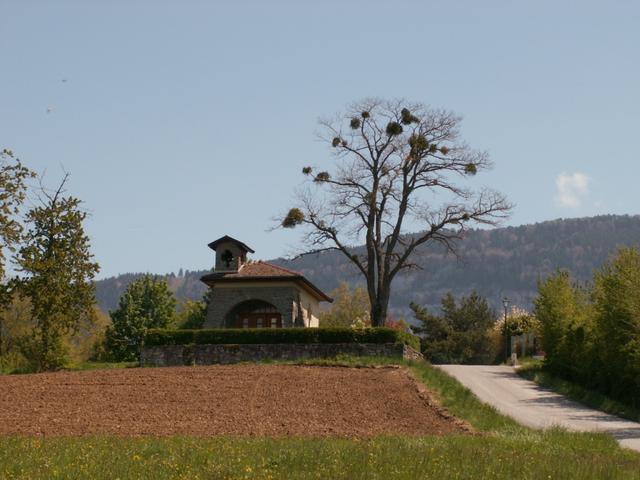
[[57, 277], [16, 323], [349, 308], [13, 190], [593, 337], [192, 314], [147, 303], [461, 334], [87, 342], [566, 325], [617, 331], [397, 165]]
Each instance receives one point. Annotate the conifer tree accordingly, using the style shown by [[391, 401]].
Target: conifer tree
[[460, 334]]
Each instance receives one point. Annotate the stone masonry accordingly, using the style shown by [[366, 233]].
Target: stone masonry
[[224, 299]]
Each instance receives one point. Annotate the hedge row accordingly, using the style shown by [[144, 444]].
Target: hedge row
[[591, 336], [280, 335]]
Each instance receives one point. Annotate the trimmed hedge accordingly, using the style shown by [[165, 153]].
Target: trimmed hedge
[[280, 335]]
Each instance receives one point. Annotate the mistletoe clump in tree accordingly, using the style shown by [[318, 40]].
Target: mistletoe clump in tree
[[397, 166]]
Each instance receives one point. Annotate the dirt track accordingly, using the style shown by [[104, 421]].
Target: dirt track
[[254, 400]]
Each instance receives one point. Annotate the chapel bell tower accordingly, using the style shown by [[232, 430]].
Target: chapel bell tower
[[231, 254]]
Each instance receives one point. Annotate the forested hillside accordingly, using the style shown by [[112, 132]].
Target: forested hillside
[[499, 262]]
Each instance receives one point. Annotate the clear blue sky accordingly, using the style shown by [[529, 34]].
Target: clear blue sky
[[184, 121]]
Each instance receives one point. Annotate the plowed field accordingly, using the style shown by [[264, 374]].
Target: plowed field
[[248, 400]]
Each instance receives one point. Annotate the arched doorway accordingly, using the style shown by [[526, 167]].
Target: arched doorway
[[254, 314]]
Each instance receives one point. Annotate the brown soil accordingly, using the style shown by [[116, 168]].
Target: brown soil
[[253, 400]]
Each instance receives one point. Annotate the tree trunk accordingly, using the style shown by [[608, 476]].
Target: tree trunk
[[376, 315], [379, 308]]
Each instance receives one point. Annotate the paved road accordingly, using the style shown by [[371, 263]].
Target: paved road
[[537, 407]]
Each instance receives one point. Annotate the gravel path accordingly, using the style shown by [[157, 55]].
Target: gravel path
[[537, 407], [247, 400]]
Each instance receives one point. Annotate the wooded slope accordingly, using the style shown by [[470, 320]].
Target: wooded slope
[[499, 262]]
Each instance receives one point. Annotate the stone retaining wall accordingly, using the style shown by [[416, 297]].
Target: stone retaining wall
[[173, 355]]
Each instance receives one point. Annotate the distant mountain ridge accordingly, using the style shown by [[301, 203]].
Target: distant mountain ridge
[[500, 262]]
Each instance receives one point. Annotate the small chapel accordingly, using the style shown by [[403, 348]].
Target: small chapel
[[248, 294]]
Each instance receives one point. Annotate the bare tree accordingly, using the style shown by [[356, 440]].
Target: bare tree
[[398, 166]]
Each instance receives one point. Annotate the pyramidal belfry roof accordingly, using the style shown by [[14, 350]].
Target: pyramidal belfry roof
[[213, 245]]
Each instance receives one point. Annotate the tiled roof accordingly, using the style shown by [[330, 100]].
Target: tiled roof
[[263, 271]]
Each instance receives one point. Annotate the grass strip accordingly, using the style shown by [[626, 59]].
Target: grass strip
[[535, 371], [553, 454]]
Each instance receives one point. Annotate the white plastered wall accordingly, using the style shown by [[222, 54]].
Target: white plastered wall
[[310, 309]]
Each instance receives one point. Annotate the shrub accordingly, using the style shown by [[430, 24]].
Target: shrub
[[280, 335], [43, 352]]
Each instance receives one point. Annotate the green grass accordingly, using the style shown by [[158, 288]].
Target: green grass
[[501, 449], [535, 371], [461, 402], [554, 455]]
